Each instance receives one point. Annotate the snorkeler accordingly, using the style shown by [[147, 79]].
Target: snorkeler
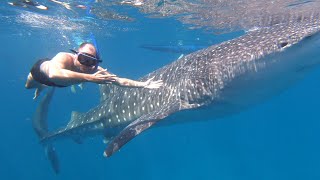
[[28, 3], [67, 69]]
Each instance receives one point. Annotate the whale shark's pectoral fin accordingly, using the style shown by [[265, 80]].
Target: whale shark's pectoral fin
[[138, 126]]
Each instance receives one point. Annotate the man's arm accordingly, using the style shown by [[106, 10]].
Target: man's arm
[[67, 77], [131, 83]]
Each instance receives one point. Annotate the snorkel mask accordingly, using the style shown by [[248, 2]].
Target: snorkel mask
[[87, 59]]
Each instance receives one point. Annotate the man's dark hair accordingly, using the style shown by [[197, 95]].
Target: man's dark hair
[[85, 43]]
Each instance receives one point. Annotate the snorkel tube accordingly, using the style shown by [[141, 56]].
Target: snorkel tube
[[94, 42], [91, 37]]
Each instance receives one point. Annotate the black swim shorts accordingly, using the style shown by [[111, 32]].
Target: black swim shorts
[[40, 76]]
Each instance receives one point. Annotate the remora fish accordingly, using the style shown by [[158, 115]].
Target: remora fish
[[210, 83]]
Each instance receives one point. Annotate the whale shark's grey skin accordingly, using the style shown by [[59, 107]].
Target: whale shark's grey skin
[[182, 49], [211, 83]]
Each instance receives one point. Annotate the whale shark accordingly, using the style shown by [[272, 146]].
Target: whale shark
[[182, 49], [211, 83]]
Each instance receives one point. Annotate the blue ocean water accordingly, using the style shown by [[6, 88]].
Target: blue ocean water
[[277, 139]]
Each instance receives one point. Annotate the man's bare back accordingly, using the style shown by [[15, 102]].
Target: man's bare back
[[67, 69]]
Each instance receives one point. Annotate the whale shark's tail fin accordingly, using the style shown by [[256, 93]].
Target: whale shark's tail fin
[[39, 123], [52, 157]]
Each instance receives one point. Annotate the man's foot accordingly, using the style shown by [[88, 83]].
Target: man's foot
[[38, 91]]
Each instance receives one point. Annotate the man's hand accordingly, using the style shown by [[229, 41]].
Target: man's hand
[[149, 84], [101, 77]]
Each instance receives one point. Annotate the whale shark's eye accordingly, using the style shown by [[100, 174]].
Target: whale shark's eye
[[283, 44]]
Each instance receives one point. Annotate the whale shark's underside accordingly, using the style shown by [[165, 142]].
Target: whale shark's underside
[[218, 81]]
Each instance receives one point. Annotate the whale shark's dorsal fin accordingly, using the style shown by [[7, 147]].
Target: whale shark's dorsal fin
[[139, 125], [105, 91], [75, 116]]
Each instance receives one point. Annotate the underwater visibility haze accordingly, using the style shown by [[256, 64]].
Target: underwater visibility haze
[[240, 96]]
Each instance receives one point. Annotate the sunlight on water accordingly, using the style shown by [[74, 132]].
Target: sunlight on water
[[276, 139], [45, 22]]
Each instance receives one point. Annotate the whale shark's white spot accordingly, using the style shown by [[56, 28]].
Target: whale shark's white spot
[[134, 112], [129, 115], [122, 101], [116, 105], [101, 124], [109, 120], [134, 104], [99, 114], [142, 108], [123, 111]]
